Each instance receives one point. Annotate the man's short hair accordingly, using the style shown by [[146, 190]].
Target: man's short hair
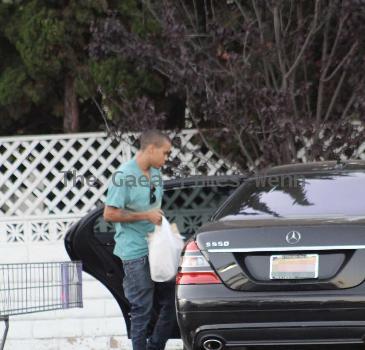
[[153, 137]]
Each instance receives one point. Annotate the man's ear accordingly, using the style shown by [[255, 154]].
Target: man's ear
[[150, 149]]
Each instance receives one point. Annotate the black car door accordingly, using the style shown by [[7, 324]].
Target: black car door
[[188, 202]]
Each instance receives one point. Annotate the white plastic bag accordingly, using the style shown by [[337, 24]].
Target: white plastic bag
[[164, 246]]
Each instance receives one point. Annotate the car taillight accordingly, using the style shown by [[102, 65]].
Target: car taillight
[[194, 267]]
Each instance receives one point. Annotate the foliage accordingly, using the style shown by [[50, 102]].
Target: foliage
[[11, 84], [265, 79], [44, 42], [265, 82]]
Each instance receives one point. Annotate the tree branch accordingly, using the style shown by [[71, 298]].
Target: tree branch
[[306, 42], [262, 41], [278, 46], [290, 18], [334, 96], [188, 15], [335, 43], [321, 82], [152, 11], [243, 148], [246, 18], [353, 47]]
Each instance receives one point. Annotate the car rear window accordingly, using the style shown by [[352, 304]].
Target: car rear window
[[298, 195]]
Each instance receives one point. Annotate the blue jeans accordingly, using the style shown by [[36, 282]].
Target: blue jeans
[[140, 291]]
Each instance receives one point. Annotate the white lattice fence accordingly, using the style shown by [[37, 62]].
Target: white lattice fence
[[61, 174], [51, 178], [35, 229], [33, 179]]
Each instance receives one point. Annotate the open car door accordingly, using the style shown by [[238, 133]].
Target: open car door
[[189, 202]]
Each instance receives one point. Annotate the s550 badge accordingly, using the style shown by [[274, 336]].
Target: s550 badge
[[217, 244]]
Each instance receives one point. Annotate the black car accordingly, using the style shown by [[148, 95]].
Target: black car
[[189, 202], [281, 263]]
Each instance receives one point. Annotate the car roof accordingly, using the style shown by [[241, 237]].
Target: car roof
[[315, 167]]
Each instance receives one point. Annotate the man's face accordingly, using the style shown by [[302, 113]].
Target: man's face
[[159, 155]]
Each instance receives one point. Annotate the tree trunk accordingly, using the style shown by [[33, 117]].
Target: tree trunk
[[71, 110]]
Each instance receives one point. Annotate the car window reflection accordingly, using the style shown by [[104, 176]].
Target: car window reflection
[[313, 195]]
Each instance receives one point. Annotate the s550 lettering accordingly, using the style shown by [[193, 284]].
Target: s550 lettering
[[217, 244]]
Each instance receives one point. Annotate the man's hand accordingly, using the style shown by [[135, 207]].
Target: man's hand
[[155, 216]]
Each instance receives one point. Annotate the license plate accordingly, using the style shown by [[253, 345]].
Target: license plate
[[285, 267]]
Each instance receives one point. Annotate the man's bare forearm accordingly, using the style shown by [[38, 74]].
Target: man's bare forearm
[[122, 215]]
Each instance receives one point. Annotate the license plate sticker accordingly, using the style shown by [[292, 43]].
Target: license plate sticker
[[285, 267]]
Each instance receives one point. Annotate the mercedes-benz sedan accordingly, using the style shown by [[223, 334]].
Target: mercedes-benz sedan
[[282, 262]]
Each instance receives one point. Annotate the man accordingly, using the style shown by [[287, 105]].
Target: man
[[133, 203]]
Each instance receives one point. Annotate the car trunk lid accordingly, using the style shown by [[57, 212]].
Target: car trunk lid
[[242, 252]]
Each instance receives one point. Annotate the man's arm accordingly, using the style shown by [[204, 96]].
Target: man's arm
[[121, 215]]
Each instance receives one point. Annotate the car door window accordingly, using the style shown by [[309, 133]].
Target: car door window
[[189, 203]]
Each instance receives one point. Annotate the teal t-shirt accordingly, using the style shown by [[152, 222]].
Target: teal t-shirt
[[129, 189]]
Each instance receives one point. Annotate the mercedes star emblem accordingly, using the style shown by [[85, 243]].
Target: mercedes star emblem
[[293, 237]]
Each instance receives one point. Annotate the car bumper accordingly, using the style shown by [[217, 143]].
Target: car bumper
[[298, 333], [243, 319]]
